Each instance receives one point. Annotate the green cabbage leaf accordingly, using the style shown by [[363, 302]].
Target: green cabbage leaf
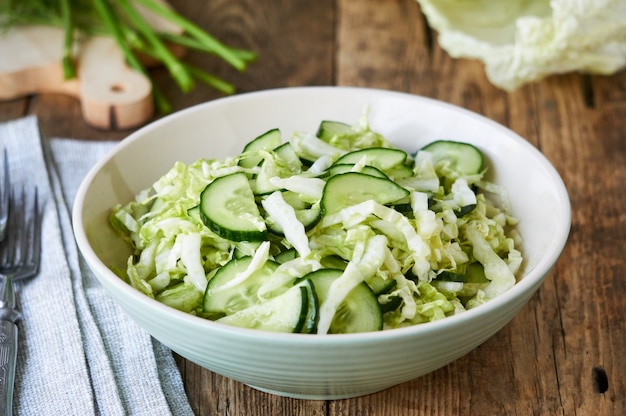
[[521, 41]]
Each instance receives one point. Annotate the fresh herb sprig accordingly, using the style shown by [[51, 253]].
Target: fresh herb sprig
[[123, 20]]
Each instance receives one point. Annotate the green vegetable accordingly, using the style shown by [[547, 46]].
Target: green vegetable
[[525, 40], [358, 310], [403, 251], [124, 21], [290, 311], [228, 208]]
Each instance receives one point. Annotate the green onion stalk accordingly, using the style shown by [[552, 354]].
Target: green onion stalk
[[125, 24]]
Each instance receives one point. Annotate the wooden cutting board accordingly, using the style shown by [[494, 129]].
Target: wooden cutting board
[[112, 96]]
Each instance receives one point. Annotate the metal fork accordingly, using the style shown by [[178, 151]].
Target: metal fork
[[4, 197], [19, 259]]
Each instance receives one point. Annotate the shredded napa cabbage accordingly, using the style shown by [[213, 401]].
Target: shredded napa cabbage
[[521, 41], [450, 225]]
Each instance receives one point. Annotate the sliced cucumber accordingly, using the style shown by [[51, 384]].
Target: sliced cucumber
[[472, 273], [285, 164], [472, 280], [223, 298], [380, 285], [269, 140], [340, 168], [333, 262], [228, 208], [309, 326], [308, 217], [194, 212], [329, 129], [438, 206], [463, 158], [450, 276], [288, 157], [261, 184], [245, 248], [286, 255], [404, 206], [359, 311], [349, 189], [400, 171], [392, 304], [464, 210], [288, 312], [382, 158], [476, 273], [293, 199]]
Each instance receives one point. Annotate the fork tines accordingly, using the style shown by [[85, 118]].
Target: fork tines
[[23, 243], [5, 185]]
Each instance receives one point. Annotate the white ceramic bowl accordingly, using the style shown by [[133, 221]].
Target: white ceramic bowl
[[312, 366]]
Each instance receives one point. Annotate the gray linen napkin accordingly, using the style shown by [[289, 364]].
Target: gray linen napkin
[[79, 354]]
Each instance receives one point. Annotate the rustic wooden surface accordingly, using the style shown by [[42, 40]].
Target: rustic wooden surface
[[564, 353]]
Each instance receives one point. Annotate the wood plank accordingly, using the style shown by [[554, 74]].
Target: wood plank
[[563, 354], [295, 43], [384, 44], [212, 394], [586, 146], [481, 382]]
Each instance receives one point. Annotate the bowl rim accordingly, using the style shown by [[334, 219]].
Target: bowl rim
[[528, 282]]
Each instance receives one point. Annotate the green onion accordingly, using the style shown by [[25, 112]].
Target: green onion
[[69, 71], [175, 67], [200, 35], [125, 24]]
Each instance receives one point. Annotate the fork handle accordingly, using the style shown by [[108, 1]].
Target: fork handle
[[8, 357]]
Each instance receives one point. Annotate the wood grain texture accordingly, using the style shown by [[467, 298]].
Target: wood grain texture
[[564, 353]]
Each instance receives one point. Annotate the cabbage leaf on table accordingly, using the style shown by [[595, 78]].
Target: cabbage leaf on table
[[521, 41]]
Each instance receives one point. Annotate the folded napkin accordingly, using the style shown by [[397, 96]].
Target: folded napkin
[[79, 354]]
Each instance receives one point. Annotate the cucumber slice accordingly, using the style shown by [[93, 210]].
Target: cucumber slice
[[288, 157], [286, 255], [392, 304], [309, 217], [472, 280], [464, 210], [380, 285], [228, 208], [269, 140], [286, 164], [293, 199], [400, 171], [340, 168], [329, 129], [309, 326], [245, 248], [382, 158], [450, 276], [463, 158], [404, 207], [473, 273], [261, 182], [194, 213], [352, 188], [222, 299], [287, 312], [359, 311], [333, 262]]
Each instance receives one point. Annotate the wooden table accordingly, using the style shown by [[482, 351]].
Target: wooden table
[[564, 353]]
